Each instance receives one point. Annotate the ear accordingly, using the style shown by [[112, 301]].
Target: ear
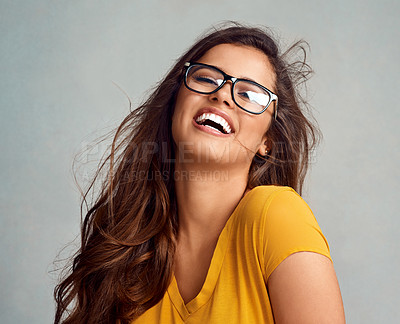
[[264, 147]]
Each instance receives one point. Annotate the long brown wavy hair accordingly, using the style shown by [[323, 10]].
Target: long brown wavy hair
[[128, 236]]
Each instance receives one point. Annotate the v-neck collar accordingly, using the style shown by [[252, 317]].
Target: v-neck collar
[[185, 310]]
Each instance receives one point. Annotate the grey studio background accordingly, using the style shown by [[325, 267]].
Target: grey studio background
[[59, 60]]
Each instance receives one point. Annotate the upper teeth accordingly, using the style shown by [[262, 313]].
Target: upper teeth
[[216, 119]]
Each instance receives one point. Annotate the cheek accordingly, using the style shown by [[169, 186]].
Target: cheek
[[186, 105], [178, 104], [182, 103], [256, 129], [176, 116], [175, 124], [263, 124], [181, 115]]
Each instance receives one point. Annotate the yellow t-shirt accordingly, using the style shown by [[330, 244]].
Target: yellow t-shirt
[[268, 225]]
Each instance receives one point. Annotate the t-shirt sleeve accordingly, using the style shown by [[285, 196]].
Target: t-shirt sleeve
[[289, 227]]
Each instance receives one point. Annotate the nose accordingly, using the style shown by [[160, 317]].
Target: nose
[[223, 95]]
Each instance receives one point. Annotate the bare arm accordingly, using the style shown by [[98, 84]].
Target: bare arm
[[304, 289]]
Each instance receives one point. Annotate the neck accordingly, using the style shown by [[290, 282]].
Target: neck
[[206, 198]]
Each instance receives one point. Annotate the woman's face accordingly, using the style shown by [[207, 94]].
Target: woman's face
[[199, 143]]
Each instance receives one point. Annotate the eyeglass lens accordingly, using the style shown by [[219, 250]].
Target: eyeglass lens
[[246, 94]]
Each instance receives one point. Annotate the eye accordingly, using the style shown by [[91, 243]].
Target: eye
[[205, 79], [244, 95], [205, 76], [251, 93]]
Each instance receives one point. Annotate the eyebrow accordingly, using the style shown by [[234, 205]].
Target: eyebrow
[[239, 77]]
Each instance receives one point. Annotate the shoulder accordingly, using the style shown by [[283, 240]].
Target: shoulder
[[257, 202], [285, 225], [276, 204], [267, 192], [266, 210]]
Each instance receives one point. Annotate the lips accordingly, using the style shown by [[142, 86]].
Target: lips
[[214, 121]]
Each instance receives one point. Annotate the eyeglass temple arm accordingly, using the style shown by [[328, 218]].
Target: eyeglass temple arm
[[276, 106]]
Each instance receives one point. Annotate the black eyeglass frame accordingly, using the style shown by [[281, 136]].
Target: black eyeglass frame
[[272, 96]]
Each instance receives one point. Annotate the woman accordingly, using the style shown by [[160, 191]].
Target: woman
[[198, 220]]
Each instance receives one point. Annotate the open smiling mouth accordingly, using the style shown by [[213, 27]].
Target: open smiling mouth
[[215, 122]]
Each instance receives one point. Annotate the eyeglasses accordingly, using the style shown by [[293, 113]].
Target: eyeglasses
[[248, 95]]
